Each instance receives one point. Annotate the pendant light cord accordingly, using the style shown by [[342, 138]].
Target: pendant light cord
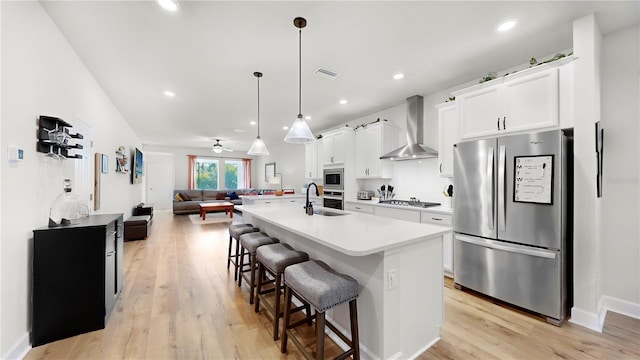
[[300, 73], [258, 106]]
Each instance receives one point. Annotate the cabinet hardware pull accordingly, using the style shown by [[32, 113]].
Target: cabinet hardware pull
[[436, 219], [504, 124], [440, 168], [357, 208], [498, 123]]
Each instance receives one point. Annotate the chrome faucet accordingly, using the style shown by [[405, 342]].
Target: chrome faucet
[[308, 207]]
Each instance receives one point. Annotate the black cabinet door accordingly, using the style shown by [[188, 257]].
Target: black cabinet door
[[70, 272]]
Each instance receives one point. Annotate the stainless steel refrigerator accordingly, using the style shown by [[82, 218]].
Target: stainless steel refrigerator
[[511, 202]]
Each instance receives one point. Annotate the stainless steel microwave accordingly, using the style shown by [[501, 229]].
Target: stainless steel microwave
[[334, 179]]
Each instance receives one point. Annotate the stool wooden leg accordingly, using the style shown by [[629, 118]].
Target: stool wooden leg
[[276, 315], [319, 335], [229, 255], [237, 271], [240, 267], [285, 322], [252, 282], [259, 285], [355, 339]]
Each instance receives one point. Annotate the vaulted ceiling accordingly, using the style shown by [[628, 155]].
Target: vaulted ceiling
[[207, 51]]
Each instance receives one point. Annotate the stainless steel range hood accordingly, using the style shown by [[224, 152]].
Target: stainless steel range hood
[[415, 149]]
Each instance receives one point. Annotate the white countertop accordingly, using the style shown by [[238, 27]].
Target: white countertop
[[355, 234], [437, 209], [271, 197]]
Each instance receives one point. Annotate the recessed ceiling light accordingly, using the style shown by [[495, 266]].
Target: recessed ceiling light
[[168, 5], [398, 76], [343, 101], [285, 128], [240, 130], [307, 117], [252, 122], [506, 26], [169, 93]]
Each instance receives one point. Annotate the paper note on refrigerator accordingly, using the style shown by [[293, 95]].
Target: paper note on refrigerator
[[533, 179]]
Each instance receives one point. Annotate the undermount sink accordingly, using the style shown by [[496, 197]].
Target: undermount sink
[[324, 212]]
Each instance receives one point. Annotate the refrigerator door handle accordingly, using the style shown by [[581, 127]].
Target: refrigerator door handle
[[518, 249], [489, 189], [502, 203]]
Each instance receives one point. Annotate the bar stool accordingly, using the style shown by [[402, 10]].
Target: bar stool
[[249, 243], [323, 288], [234, 234], [274, 259]]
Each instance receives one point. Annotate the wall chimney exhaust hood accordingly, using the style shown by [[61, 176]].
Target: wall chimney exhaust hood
[[415, 149]]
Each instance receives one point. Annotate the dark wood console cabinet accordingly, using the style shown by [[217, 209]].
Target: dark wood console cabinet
[[77, 277]]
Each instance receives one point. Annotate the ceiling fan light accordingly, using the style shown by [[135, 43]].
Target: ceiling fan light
[[258, 147], [299, 132], [217, 149]]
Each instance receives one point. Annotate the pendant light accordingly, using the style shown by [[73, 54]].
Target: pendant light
[[258, 147], [299, 133]]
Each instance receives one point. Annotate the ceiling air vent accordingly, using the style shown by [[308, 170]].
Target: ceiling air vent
[[326, 73]]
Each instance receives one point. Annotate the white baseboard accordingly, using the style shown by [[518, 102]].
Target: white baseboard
[[585, 318], [19, 350], [608, 303], [595, 320]]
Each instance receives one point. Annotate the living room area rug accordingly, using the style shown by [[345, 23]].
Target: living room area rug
[[214, 218]]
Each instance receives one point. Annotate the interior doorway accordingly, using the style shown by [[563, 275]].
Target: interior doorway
[[159, 179]]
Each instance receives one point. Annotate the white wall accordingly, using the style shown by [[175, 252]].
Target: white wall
[[41, 74], [620, 214], [289, 159], [181, 166]]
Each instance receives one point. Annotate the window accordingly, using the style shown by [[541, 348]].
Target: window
[[233, 174], [206, 174]]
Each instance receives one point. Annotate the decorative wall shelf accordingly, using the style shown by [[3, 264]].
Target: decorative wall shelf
[[54, 137]]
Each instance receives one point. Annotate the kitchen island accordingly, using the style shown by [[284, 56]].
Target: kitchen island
[[398, 265]]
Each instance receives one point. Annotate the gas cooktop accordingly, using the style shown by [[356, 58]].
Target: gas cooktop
[[420, 204]]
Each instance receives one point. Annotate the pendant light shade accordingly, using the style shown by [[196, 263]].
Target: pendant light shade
[[258, 147], [299, 132]]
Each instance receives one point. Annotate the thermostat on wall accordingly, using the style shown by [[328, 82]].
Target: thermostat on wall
[[15, 154]]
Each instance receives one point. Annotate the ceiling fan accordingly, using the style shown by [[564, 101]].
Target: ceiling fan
[[218, 148]]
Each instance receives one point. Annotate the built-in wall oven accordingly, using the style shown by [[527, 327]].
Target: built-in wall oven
[[334, 179], [333, 199]]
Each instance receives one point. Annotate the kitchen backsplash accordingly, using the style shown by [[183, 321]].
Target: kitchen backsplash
[[415, 178]]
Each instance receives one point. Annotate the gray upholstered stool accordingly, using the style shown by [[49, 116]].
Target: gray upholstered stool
[[322, 287], [234, 234], [249, 243], [274, 259]]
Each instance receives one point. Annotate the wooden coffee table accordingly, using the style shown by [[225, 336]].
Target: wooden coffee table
[[209, 207]]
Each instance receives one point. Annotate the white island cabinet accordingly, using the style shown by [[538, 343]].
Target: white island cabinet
[[398, 266]]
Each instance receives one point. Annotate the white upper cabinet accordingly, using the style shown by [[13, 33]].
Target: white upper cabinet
[[333, 147], [447, 137], [311, 170], [518, 102], [373, 141]]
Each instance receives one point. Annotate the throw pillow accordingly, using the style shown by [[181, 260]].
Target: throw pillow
[[184, 196], [221, 196], [178, 197], [233, 196]]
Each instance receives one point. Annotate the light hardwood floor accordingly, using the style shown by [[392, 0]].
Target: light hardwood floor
[[179, 302]]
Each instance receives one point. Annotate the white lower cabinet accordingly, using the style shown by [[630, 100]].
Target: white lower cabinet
[[246, 201], [363, 208], [398, 214], [447, 240]]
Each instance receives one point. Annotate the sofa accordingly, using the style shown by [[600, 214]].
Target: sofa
[[187, 202]]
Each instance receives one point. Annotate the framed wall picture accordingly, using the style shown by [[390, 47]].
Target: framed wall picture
[[269, 171], [105, 163]]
